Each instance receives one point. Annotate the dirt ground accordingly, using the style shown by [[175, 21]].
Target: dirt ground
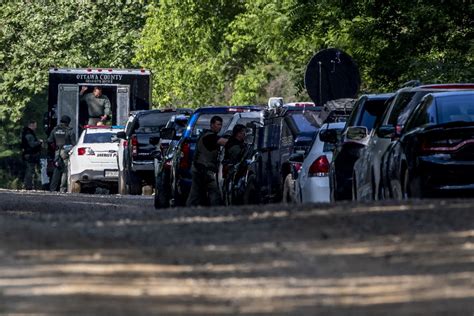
[[114, 255]]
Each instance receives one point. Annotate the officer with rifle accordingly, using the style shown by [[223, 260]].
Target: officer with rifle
[[62, 137]]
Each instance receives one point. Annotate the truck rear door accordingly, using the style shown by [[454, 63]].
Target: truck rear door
[[68, 104]]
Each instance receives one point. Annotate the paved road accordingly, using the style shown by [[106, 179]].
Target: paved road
[[114, 255]]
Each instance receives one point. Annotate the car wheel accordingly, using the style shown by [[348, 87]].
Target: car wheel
[[134, 185], [251, 195], [75, 187], [354, 188], [122, 184]]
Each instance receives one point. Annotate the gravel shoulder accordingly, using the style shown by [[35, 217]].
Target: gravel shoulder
[[102, 255]]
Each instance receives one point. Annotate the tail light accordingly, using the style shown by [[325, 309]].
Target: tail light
[[442, 145], [134, 142], [81, 151], [319, 167], [297, 166], [184, 163]]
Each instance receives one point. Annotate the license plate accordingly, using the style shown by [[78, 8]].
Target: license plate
[[111, 173]]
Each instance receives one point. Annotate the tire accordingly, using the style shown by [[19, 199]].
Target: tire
[[354, 188], [122, 184], [134, 184], [75, 187], [251, 195], [406, 185]]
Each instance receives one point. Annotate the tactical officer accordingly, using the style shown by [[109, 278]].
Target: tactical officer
[[31, 150], [234, 149], [61, 136], [98, 105], [205, 165]]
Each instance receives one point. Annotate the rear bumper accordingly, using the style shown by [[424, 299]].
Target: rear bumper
[[439, 173], [87, 176], [147, 165], [315, 190]]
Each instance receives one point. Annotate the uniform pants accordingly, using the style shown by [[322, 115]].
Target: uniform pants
[[59, 176], [31, 174], [203, 187]]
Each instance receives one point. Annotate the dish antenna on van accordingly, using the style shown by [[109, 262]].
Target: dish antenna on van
[[331, 74]]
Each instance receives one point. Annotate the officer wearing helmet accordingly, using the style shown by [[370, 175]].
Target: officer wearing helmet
[[62, 138]]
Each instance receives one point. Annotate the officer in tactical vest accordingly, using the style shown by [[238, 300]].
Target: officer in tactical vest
[[205, 165], [31, 150], [62, 137], [98, 105]]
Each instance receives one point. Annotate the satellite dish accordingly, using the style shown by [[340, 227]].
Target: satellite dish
[[331, 74]]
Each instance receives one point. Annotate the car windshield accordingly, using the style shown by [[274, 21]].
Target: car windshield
[[152, 122], [455, 108], [204, 121], [91, 138], [304, 121]]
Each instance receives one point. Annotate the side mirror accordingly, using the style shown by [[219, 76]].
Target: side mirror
[[356, 133], [386, 131], [121, 135], [154, 140], [167, 133], [328, 136]]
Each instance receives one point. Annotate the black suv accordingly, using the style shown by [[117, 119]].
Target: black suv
[[135, 155]]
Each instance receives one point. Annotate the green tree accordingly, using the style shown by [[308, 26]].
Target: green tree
[[37, 35], [181, 43]]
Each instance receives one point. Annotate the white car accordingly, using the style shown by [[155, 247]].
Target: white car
[[312, 183], [93, 160]]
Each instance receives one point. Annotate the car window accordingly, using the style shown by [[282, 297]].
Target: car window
[[355, 111], [204, 121], [400, 103], [405, 113], [330, 146], [92, 138], [153, 122], [455, 108], [303, 122]]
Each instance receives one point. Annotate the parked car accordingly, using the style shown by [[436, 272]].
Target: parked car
[[180, 176], [93, 162], [312, 179], [287, 130], [435, 154], [135, 160], [367, 110], [367, 177]]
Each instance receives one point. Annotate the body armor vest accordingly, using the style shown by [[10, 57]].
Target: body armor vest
[[205, 157]]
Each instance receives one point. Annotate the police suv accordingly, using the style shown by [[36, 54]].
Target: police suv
[[93, 160]]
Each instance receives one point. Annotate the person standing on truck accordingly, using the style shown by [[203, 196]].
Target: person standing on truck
[[98, 105], [205, 165], [62, 137], [31, 150]]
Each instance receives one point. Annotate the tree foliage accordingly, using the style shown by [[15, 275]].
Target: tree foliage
[[37, 35]]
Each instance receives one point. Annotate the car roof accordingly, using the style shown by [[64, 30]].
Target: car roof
[[378, 96], [439, 86], [333, 125], [450, 93], [226, 109]]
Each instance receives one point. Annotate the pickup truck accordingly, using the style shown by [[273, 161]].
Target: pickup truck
[[135, 154]]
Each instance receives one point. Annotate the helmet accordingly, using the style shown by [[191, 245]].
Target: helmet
[[65, 119]]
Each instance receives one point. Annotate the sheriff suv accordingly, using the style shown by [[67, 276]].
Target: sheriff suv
[[92, 161]]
